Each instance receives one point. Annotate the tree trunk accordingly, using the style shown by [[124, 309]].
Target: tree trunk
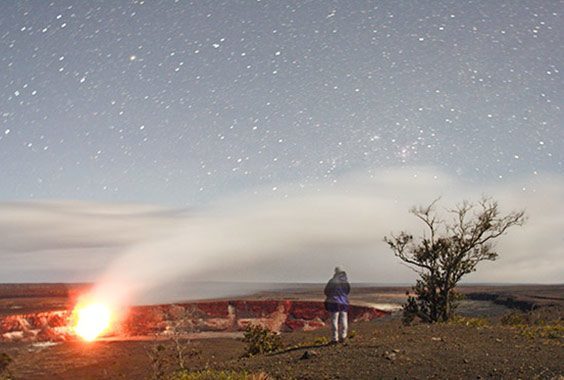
[[446, 311]]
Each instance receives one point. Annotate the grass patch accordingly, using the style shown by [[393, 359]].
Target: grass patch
[[321, 341], [516, 319], [210, 374], [548, 331], [470, 321], [535, 325]]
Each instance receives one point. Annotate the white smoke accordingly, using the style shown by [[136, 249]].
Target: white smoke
[[133, 250]]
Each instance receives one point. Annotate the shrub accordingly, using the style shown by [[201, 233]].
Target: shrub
[[261, 340], [410, 310]]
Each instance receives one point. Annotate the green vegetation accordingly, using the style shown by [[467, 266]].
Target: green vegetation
[[260, 340], [321, 341], [470, 322], [210, 374], [535, 325]]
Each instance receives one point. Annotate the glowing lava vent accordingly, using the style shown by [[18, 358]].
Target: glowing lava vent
[[91, 320]]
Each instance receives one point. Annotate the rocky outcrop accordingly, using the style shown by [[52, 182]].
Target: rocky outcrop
[[44, 326], [211, 316]]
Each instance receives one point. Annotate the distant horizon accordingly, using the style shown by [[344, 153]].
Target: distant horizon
[[375, 284], [143, 142]]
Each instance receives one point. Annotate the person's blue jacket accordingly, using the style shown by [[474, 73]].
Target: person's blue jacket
[[337, 293]]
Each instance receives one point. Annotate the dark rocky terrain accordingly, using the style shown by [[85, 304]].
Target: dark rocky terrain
[[484, 344]]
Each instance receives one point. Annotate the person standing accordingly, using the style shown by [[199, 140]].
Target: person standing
[[337, 303]]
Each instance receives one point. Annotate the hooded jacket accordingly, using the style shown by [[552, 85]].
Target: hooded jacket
[[337, 293]]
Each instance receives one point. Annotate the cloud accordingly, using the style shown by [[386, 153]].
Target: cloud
[[135, 249], [40, 241]]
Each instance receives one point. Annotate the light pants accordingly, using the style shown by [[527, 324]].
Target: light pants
[[340, 325]]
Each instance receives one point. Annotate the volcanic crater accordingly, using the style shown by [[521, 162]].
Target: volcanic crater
[[204, 317]]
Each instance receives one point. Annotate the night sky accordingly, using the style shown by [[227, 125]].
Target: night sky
[[182, 103]]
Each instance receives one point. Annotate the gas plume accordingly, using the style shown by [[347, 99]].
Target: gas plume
[[286, 236]]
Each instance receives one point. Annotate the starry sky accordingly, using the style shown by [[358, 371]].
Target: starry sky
[[136, 130], [182, 103]]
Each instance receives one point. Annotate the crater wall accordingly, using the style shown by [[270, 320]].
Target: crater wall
[[209, 316]]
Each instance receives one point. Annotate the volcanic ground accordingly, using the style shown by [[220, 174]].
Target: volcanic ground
[[380, 346]]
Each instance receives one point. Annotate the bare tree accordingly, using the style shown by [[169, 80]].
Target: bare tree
[[183, 325], [157, 353], [166, 354], [447, 251]]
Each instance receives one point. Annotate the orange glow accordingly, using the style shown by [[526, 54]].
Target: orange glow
[[92, 320]]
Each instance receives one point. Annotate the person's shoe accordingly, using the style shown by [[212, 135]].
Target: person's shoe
[[333, 342]]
